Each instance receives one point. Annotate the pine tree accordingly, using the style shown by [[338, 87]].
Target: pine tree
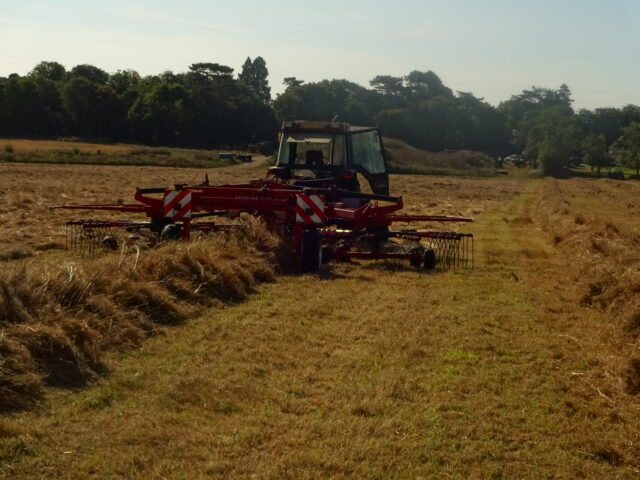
[[254, 75]]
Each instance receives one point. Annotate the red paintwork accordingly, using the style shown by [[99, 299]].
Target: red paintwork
[[276, 203]]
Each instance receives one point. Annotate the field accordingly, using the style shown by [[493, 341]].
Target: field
[[526, 366], [403, 158], [83, 153]]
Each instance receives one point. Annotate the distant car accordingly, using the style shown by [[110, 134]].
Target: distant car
[[516, 160]]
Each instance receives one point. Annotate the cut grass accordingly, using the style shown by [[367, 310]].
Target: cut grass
[[27, 190], [57, 319], [364, 373], [82, 153]]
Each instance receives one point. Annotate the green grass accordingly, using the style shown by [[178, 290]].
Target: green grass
[[585, 171]]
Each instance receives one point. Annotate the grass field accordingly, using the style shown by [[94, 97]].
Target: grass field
[[403, 158], [525, 367], [72, 152]]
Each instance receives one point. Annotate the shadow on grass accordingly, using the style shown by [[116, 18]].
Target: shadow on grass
[[394, 266], [583, 173]]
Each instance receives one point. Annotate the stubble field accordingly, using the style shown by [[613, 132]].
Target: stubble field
[[526, 366]]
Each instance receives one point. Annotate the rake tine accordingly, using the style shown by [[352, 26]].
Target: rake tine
[[466, 260], [472, 252], [466, 251]]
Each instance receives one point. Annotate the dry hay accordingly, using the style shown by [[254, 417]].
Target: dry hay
[[605, 262], [25, 145], [57, 316], [56, 319]]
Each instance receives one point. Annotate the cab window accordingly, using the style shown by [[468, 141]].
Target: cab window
[[300, 150], [367, 152]]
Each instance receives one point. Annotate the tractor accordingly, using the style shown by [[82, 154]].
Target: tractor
[[331, 154], [312, 197]]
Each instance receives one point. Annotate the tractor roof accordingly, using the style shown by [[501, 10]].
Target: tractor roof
[[321, 127]]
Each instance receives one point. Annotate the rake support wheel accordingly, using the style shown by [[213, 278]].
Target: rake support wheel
[[429, 259]]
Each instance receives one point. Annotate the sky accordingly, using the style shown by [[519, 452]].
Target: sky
[[492, 48]]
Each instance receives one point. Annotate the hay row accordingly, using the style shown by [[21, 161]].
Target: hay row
[[605, 259], [57, 319]]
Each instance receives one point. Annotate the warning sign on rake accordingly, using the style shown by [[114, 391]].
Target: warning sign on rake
[[177, 204], [310, 209]]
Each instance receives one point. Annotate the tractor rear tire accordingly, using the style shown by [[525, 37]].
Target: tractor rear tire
[[311, 258]]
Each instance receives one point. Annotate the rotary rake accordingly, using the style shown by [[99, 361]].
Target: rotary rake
[[320, 224]]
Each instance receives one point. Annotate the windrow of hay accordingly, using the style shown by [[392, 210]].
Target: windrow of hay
[[56, 319], [605, 259]]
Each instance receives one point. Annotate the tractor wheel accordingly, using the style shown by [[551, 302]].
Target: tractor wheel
[[311, 259], [415, 257], [429, 259]]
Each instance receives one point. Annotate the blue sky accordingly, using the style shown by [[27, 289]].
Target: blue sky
[[493, 48]]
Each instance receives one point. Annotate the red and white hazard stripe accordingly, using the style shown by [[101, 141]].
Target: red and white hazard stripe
[[310, 209], [177, 205]]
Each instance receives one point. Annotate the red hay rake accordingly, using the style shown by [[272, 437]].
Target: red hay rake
[[322, 223]]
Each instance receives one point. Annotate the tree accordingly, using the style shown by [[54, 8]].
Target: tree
[[312, 101], [205, 106], [30, 106], [93, 108], [251, 118], [631, 113], [520, 108], [291, 82], [21, 106], [631, 146], [91, 73], [51, 116], [606, 121], [158, 114], [388, 85], [425, 85], [123, 80], [595, 154], [481, 126], [325, 100], [430, 124], [211, 71], [254, 75], [49, 70], [551, 135]]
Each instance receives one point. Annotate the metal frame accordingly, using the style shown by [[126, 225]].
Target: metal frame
[[345, 220]]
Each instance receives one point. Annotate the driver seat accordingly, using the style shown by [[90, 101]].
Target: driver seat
[[314, 159]]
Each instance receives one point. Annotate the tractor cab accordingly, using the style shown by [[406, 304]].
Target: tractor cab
[[320, 153]]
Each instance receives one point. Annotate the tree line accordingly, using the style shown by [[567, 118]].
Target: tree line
[[202, 107], [208, 105]]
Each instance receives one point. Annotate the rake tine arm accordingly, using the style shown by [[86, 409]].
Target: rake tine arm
[[131, 208], [427, 218]]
